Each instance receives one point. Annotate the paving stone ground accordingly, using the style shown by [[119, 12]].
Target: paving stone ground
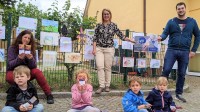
[[113, 103]]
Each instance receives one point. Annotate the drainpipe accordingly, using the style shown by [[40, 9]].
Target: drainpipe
[[144, 17]]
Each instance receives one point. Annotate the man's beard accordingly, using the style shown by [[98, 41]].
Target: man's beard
[[181, 15]]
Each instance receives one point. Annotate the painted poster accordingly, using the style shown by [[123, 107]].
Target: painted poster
[[27, 23], [89, 37], [49, 25], [2, 32], [141, 63], [49, 38], [2, 55], [155, 63], [141, 43], [128, 62], [88, 52], [134, 34], [19, 30], [116, 43], [72, 57], [127, 45], [116, 61], [65, 44], [152, 43], [49, 58]]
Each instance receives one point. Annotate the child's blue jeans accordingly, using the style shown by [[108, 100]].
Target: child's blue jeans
[[37, 108]]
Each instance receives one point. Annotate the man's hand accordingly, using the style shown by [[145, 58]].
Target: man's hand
[[159, 38], [192, 54]]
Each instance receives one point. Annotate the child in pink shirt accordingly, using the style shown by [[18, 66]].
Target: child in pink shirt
[[82, 93]]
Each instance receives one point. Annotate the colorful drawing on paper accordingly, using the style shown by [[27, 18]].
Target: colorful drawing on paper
[[2, 32], [141, 63], [153, 43], [116, 43], [65, 44], [27, 23], [89, 36], [146, 43], [127, 45], [116, 61], [88, 52], [19, 30], [49, 25], [2, 55], [49, 38], [49, 58], [134, 34], [155, 63], [72, 57], [128, 62]]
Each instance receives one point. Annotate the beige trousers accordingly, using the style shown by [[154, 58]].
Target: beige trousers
[[104, 59]]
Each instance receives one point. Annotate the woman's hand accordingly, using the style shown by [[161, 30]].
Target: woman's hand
[[94, 52], [21, 56], [129, 40], [29, 56]]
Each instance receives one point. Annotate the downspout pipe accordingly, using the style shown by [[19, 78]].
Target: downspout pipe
[[144, 17]]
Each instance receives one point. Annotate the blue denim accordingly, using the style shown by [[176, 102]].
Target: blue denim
[[37, 108], [182, 58]]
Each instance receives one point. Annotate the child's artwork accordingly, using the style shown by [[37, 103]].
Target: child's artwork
[[72, 57], [21, 48], [128, 62], [89, 37], [49, 38], [137, 34], [155, 63], [116, 61], [49, 25], [27, 23], [65, 44], [116, 43], [2, 32], [88, 52], [27, 49], [49, 58], [141, 43], [153, 43], [141, 63], [175, 66], [19, 30], [127, 45], [2, 55]]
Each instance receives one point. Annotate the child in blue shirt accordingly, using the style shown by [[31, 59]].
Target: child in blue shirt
[[133, 100]]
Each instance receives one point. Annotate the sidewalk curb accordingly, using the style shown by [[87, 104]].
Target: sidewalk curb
[[111, 93]]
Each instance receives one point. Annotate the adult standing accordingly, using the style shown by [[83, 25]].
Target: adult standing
[[29, 59], [104, 50], [180, 30]]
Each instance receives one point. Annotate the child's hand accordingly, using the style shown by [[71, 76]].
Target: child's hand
[[173, 108], [148, 105], [22, 108], [30, 107], [142, 107]]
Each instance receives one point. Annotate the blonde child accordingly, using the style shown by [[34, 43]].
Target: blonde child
[[133, 100], [82, 93], [22, 96], [160, 99]]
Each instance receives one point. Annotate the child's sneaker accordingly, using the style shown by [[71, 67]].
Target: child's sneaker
[[180, 98]]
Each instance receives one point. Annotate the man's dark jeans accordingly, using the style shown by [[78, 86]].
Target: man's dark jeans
[[182, 58]]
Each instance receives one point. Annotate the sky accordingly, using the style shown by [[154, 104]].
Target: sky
[[45, 4]]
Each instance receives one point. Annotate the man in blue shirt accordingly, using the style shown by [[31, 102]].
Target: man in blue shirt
[[180, 30]]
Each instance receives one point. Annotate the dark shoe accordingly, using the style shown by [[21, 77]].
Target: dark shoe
[[50, 99], [107, 89], [99, 90], [180, 98]]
